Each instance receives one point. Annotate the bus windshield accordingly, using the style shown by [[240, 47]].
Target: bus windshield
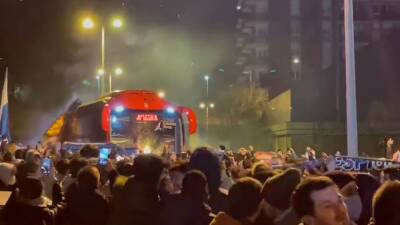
[[150, 131]]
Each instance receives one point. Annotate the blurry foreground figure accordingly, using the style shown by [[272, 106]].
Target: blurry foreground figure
[[386, 204], [244, 203]]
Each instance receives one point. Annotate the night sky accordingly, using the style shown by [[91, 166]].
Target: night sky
[[166, 45]]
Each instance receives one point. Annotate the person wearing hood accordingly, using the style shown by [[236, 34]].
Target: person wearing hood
[[85, 205], [207, 161], [139, 200], [31, 166], [244, 203], [32, 208], [189, 206], [277, 192]]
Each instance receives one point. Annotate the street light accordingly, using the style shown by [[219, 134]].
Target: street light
[[117, 71], [207, 107], [117, 23], [99, 76], [100, 72], [296, 60], [88, 23], [206, 78]]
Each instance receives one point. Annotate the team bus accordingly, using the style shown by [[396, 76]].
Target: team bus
[[133, 119]]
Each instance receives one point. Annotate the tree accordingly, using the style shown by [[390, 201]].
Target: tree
[[245, 105]]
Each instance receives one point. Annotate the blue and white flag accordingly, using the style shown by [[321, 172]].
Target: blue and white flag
[[4, 115]]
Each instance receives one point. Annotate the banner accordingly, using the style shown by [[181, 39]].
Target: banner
[[359, 164], [4, 116]]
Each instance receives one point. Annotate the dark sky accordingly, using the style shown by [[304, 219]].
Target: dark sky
[[165, 45]]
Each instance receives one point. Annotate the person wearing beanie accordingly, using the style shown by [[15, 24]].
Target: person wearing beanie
[[277, 192], [189, 206], [206, 160], [244, 203], [32, 208], [138, 202]]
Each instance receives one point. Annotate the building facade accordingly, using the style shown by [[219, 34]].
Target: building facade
[[298, 45]]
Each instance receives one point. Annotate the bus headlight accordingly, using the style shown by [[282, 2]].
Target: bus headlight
[[170, 110], [119, 109]]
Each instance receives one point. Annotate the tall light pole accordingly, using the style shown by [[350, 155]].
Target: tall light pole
[[103, 58], [351, 98], [88, 23], [207, 78], [100, 78], [118, 71], [207, 106]]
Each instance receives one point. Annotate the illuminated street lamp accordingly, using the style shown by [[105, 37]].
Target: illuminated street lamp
[[88, 23], [100, 72], [207, 107], [99, 78], [206, 78], [117, 71], [296, 60], [117, 23]]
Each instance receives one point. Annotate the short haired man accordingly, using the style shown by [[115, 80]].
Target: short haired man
[[277, 192], [317, 201], [244, 203]]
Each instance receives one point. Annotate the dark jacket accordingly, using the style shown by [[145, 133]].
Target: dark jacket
[[85, 207], [28, 213], [218, 201], [137, 204], [287, 218], [180, 209]]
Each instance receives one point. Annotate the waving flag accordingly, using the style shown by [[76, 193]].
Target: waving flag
[[4, 116]]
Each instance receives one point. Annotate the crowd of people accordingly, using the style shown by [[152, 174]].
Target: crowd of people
[[204, 187]]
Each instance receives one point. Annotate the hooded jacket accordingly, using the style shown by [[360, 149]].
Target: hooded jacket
[[37, 211]]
